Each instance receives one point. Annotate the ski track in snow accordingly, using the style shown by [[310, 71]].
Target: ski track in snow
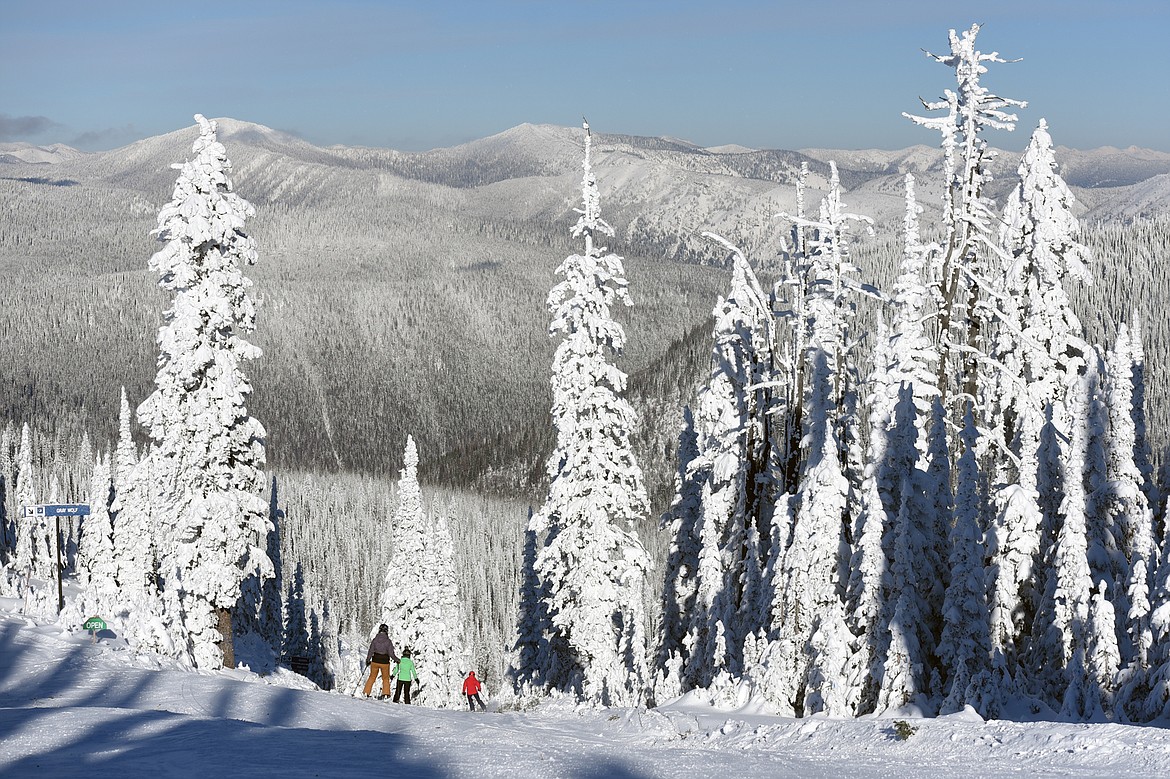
[[70, 707]]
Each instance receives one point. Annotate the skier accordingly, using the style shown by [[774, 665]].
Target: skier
[[406, 674], [471, 688], [378, 659]]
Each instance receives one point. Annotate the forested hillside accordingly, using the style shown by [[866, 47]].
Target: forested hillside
[[403, 293]]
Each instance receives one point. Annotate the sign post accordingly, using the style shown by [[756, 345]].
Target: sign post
[[56, 511]]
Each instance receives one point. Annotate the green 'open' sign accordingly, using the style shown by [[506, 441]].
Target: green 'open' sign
[[94, 624]]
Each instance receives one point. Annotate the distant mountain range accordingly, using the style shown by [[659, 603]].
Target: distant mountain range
[[37, 155], [404, 292], [529, 150]]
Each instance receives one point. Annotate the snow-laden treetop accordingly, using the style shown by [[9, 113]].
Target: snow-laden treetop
[[590, 220]]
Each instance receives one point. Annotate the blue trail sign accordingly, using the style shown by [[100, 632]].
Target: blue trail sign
[[57, 510], [66, 509]]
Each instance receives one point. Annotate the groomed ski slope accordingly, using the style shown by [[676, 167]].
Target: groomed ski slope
[[72, 708]]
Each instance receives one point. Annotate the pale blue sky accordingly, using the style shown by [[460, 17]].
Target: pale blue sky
[[418, 75]]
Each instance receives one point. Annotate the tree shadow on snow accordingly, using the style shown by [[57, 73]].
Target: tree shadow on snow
[[154, 743], [15, 687], [609, 769], [56, 721]]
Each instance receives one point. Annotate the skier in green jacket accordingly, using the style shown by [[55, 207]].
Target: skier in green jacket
[[406, 674]]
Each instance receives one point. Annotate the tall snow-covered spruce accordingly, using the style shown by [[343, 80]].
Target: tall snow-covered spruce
[[32, 549], [731, 471], [207, 458], [420, 600], [96, 559], [592, 566], [807, 667]]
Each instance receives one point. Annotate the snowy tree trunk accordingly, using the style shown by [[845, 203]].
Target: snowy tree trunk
[[226, 644]]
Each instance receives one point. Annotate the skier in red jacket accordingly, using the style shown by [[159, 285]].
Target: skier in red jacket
[[471, 688]]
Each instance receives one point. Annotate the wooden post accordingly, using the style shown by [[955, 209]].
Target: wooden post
[[60, 589]]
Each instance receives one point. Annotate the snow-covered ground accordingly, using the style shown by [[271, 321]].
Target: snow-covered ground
[[72, 707]]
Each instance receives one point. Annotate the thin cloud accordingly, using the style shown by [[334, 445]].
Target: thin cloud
[[96, 140], [293, 133], [18, 128]]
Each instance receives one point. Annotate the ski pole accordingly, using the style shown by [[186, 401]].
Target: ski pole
[[361, 673]]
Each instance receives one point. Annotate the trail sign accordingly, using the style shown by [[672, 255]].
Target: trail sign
[[94, 624], [66, 509], [57, 510]]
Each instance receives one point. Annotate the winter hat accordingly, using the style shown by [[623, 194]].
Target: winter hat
[[383, 628]]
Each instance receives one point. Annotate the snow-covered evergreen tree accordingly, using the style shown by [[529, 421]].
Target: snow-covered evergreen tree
[[1038, 353], [533, 665], [868, 588], [134, 531], [912, 451], [680, 579], [1104, 658], [36, 549], [959, 273], [1126, 503], [208, 452], [420, 598], [441, 650], [918, 575], [964, 649], [32, 549], [968, 214], [806, 666], [261, 605], [1145, 630], [732, 465], [98, 566], [149, 613], [810, 662], [126, 454], [1142, 454], [1095, 662], [913, 356], [295, 639], [904, 667], [406, 589], [1107, 562], [1150, 694], [1039, 344], [1013, 541], [1064, 611], [8, 527], [592, 561]]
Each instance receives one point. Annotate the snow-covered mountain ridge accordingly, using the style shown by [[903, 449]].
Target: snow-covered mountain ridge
[[352, 241], [549, 150], [72, 706], [37, 155]]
